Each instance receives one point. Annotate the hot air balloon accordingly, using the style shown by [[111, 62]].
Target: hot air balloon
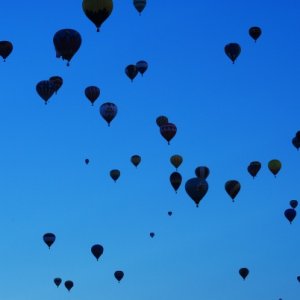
[[232, 187], [69, 284], [57, 281], [119, 275], [296, 142], [45, 89], [66, 43], [175, 179], [274, 166], [293, 203], [131, 71], [170, 213], [86, 161], [176, 160], [244, 272], [152, 234], [115, 174], [290, 214], [135, 159], [139, 5], [97, 250], [255, 32], [161, 120], [232, 50], [108, 111], [92, 93], [253, 168], [298, 278], [141, 66], [196, 188], [49, 239], [97, 10], [168, 131], [202, 172], [57, 81], [6, 48]]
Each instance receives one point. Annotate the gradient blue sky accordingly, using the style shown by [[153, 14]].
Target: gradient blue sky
[[227, 116]]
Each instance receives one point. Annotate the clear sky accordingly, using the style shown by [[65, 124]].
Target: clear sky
[[227, 115]]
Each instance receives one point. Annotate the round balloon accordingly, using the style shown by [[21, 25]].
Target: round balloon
[[131, 71], [244, 272], [175, 179], [202, 172], [255, 32], [161, 120], [139, 5], [141, 66], [253, 168], [6, 48], [57, 281], [152, 234], [232, 50], [115, 174], [168, 131], [49, 239], [97, 250], [296, 142], [57, 81], [119, 275], [45, 89], [290, 214], [196, 188], [176, 160], [274, 166], [135, 159], [293, 203], [92, 93], [69, 284], [108, 111], [232, 187], [86, 161]]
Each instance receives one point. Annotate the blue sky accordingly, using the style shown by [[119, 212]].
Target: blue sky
[[226, 115]]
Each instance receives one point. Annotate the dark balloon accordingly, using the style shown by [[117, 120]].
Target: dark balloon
[[86, 161], [202, 172], [45, 89], [290, 214], [57, 281], [49, 239], [176, 160], [296, 142], [131, 71], [97, 11], [6, 48], [255, 32], [57, 81], [244, 272], [139, 5], [135, 159], [170, 213], [168, 131], [92, 93], [298, 278], [119, 275], [253, 168], [115, 174], [141, 66], [161, 120], [232, 187], [293, 203], [97, 250], [196, 188], [232, 50], [108, 111], [274, 166], [175, 179], [69, 284], [66, 43], [152, 234]]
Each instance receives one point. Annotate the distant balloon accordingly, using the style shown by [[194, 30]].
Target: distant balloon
[[255, 32], [161, 120], [66, 43], [6, 48], [139, 5], [232, 187], [196, 188], [57, 81], [244, 272], [92, 93], [45, 89], [175, 179], [170, 213], [290, 214], [119, 275], [135, 159], [152, 234], [108, 111], [97, 10], [253, 168], [141, 66], [97, 250], [298, 278], [115, 174], [274, 166], [49, 239], [69, 284], [57, 281], [86, 161], [202, 172], [168, 131], [176, 160], [131, 71], [293, 203], [232, 50], [296, 142]]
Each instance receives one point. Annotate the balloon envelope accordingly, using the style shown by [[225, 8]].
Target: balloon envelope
[[49, 239], [244, 272], [69, 284], [57, 281], [57, 81], [232, 50], [196, 188], [45, 89], [92, 93], [115, 174], [108, 111], [176, 160], [255, 32], [232, 187], [141, 66], [97, 250], [135, 159], [119, 275], [139, 5], [202, 172], [131, 71], [274, 166], [6, 48], [162, 120], [168, 131], [290, 214], [152, 234], [175, 179], [293, 203], [253, 168]]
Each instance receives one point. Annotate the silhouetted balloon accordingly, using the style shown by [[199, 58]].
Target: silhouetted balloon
[[6, 48], [232, 187], [92, 93], [57, 81], [161, 120], [86, 161], [142, 66], [115, 174], [168, 131], [175, 179], [49, 239], [139, 5], [274, 166], [119, 275], [298, 278], [97, 10], [296, 142], [170, 213], [97, 250], [135, 159], [253, 168], [255, 32], [108, 111], [152, 234], [196, 188], [57, 281], [131, 71], [66, 43], [293, 203], [45, 89], [290, 214], [176, 160], [69, 284], [202, 172], [232, 50], [244, 272]]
